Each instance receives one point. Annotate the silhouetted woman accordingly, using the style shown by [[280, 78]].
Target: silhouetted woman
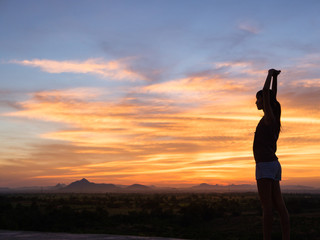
[[268, 168]]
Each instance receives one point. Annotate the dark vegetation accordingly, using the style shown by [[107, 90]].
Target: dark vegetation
[[192, 216]]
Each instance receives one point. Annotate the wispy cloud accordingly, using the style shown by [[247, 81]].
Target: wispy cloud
[[249, 26], [237, 69], [194, 84], [216, 82], [116, 69]]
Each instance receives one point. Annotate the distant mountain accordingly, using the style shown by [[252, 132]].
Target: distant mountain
[[139, 188], [83, 183], [204, 187], [84, 186], [299, 189], [5, 189], [59, 186]]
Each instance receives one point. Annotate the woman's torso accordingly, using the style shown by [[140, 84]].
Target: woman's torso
[[265, 142]]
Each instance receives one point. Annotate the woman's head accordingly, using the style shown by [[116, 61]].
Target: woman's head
[[275, 105], [259, 101], [259, 96]]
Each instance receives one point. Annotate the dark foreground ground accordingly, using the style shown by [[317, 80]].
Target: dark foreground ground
[[25, 235], [216, 216]]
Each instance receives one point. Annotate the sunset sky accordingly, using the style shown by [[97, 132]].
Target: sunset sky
[[154, 92]]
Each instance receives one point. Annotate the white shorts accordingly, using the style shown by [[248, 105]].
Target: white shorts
[[270, 170]]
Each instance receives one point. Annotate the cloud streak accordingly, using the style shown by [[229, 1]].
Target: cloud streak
[[115, 70], [249, 26]]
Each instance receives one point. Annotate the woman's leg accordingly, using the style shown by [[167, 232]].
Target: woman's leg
[[280, 206], [265, 193]]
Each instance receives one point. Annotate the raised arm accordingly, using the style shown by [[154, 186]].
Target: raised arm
[[268, 114], [275, 82]]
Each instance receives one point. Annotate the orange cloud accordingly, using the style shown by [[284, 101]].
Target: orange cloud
[[117, 70], [194, 84], [307, 83], [159, 134]]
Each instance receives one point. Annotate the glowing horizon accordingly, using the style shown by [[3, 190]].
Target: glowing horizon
[[117, 105]]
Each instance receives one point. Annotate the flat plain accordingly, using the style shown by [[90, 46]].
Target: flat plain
[[226, 216]]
